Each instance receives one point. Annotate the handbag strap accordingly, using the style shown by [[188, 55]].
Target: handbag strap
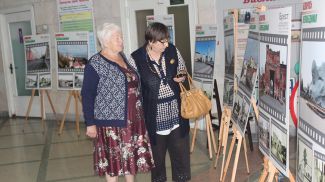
[[190, 82]]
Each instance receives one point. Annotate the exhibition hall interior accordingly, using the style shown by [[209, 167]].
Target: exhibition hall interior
[[254, 77]]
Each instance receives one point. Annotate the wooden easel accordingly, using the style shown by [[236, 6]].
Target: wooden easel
[[223, 136], [41, 91], [269, 169], [76, 95], [210, 135]]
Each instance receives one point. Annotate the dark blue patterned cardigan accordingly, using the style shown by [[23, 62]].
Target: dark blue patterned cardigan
[[104, 93]]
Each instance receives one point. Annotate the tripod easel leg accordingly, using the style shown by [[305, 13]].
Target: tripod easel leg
[[42, 109], [240, 140], [77, 112], [208, 119], [265, 169], [209, 138], [223, 138], [224, 172], [65, 112], [194, 135], [51, 104], [29, 108], [245, 152]]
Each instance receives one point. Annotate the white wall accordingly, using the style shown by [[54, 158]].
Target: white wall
[[46, 13]]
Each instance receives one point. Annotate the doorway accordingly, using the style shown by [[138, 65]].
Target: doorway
[[133, 15], [16, 23]]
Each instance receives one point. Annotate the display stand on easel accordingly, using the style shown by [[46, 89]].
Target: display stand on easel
[[269, 169], [210, 135], [42, 92], [76, 95]]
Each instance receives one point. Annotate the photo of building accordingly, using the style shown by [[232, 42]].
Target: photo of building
[[273, 78]]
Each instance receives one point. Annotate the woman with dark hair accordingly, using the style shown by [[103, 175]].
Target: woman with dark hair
[[161, 68]]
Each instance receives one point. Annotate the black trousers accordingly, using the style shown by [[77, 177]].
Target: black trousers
[[179, 152]]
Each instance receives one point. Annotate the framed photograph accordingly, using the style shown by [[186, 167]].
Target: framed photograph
[[319, 167], [65, 81], [305, 160], [38, 57], [31, 81], [264, 133], [204, 57], [279, 144], [78, 79], [45, 80]]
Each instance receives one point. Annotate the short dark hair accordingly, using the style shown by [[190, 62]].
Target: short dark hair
[[155, 32]]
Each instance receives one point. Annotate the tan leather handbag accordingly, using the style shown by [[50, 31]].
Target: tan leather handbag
[[194, 103]]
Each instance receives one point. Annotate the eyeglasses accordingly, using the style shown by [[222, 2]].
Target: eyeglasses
[[164, 41]]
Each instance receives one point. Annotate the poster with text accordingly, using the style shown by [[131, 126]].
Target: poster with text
[[38, 61], [205, 52], [72, 55], [274, 82], [228, 91], [78, 15], [311, 125], [167, 20], [246, 79]]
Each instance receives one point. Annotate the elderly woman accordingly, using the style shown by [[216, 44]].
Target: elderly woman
[[111, 99], [161, 67]]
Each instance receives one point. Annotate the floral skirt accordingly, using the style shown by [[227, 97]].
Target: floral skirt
[[124, 151]]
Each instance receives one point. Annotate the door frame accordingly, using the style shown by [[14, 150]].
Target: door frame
[[6, 51], [158, 6]]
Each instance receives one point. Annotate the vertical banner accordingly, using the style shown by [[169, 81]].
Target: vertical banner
[[77, 15], [38, 62], [167, 20], [228, 92], [72, 56], [311, 126], [246, 79], [274, 83]]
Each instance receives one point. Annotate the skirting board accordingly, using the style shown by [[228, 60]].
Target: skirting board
[[4, 114]]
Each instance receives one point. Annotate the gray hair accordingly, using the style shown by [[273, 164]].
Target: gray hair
[[105, 31]]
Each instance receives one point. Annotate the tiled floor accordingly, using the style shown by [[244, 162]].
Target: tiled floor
[[37, 156]]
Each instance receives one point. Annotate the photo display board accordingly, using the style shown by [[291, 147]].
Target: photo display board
[[228, 92], [205, 52], [72, 55], [38, 61], [246, 78], [274, 82], [167, 20], [311, 125]]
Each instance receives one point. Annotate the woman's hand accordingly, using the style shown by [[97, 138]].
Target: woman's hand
[[179, 79], [91, 131]]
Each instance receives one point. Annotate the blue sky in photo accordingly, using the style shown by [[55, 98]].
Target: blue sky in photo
[[206, 47], [74, 50]]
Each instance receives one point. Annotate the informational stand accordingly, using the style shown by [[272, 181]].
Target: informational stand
[[274, 83], [231, 57], [76, 95], [73, 52], [38, 70], [42, 92], [311, 125]]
